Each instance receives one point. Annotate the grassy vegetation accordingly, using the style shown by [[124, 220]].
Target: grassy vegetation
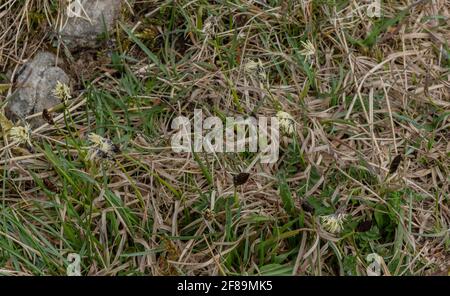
[[372, 89]]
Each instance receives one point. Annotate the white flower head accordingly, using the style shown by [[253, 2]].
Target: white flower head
[[287, 122], [95, 139], [20, 134], [62, 91], [101, 147], [308, 48], [333, 223]]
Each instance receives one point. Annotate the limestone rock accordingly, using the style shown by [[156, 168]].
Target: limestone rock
[[86, 23], [36, 82]]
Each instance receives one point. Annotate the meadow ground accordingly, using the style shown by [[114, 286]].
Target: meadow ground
[[371, 103]]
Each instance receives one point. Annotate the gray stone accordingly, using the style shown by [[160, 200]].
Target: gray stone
[[96, 17], [36, 83]]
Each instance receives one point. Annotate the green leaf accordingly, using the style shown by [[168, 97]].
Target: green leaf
[[286, 196], [276, 270]]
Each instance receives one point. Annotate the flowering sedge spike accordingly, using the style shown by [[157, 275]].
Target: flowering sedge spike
[[333, 223], [308, 49], [20, 134], [287, 122], [62, 91], [101, 147]]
